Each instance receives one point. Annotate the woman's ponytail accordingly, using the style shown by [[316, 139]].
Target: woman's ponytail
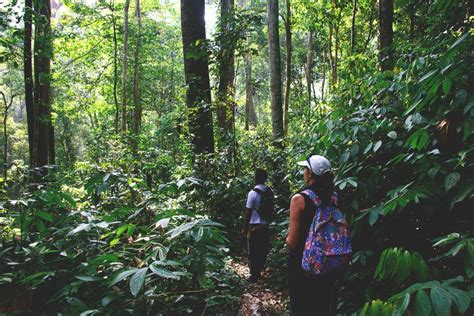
[[325, 187]]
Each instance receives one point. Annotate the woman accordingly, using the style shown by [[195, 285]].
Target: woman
[[309, 295]]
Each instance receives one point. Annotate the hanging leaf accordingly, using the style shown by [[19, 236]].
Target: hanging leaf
[[120, 276], [422, 304], [377, 145], [164, 273], [441, 301], [45, 215], [461, 300], [392, 135], [447, 85], [451, 180], [137, 281]]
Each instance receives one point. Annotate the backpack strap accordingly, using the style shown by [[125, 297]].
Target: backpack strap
[[312, 196]]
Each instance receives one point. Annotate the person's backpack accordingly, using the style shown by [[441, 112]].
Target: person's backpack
[[265, 209], [328, 244]]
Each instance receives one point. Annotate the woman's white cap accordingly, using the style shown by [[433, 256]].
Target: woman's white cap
[[317, 164]]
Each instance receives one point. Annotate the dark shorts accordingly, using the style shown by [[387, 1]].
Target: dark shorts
[[311, 295]]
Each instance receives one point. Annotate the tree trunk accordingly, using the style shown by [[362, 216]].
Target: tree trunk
[[309, 65], [225, 101], [42, 61], [288, 65], [324, 75], [31, 111], [8, 105], [275, 70], [196, 73], [353, 29], [331, 59], [114, 28], [124, 65], [137, 106], [385, 34], [371, 20], [250, 115]]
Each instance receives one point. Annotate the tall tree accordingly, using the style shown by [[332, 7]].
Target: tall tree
[[353, 29], [288, 64], [225, 103], [196, 73], [124, 65], [386, 34], [250, 115], [309, 65], [275, 69], [31, 111], [137, 106], [42, 62], [114, 30]]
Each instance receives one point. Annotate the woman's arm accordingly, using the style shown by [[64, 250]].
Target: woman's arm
[[296, 210]]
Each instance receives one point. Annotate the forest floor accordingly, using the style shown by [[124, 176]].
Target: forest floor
[[259, 298]]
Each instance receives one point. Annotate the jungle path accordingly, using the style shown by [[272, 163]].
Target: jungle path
[[259, 298]]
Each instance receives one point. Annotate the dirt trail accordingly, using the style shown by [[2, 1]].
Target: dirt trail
[[259, 298]]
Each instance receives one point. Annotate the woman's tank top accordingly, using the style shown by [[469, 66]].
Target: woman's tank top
[[305, 224]]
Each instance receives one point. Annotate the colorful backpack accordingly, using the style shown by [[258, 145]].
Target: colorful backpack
[[328, 245]]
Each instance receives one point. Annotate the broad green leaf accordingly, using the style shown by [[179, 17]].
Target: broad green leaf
[[441, 301], [40, 226], [79, 228], [137, 281], [423, 139], [121, 230], [459, 40], [422, 304], [373, 216], [181, 229], [109, 299], [461, 300], [451, 180], [377, 145], [463, 193], [45, 215], [122, 275], [404, 268], [378, 271], [392, 135], [344, 157], [447, 85], [164, 273], [400, 310], [130, 230], [87, 278], [114, 241]]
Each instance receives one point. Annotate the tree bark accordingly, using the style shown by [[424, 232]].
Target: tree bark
[[225, 101], [31, 111], [196, 73], [309, 65], [114, 29], [332, 61], [275, 70], [324, 75], [288, 65], [42, 62], [8, 105], [124, 65], [250, 115], [137, 106], [353, 28], [385, 34]]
